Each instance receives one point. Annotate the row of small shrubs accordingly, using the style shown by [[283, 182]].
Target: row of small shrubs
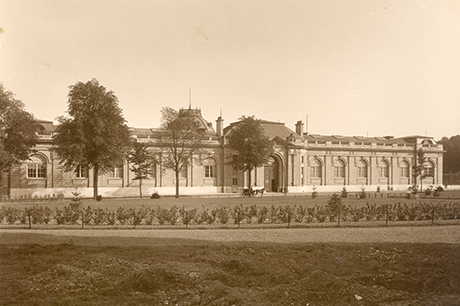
[[333, 212], [33, 199]]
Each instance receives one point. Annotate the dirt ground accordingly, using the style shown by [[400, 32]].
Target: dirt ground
[[401, 266]]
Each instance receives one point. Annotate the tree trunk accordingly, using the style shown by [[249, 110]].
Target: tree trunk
[[177, 184], [1, 183], [140, 187], [249, 178], [95, 181]]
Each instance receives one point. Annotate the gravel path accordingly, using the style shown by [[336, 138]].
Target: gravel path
[[419, 234]]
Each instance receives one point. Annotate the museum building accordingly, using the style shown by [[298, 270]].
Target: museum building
[[301, 162]]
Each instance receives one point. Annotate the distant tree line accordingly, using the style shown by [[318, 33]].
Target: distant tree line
[[451, 160]]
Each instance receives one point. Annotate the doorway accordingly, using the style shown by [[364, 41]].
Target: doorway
[[271, 177]]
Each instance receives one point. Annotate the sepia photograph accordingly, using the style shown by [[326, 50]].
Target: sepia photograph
[[186, 153]]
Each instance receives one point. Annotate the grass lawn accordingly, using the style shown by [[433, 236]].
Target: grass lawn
[[303, 199]]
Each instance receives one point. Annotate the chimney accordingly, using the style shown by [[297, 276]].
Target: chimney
[[299, 128], [220, 126]]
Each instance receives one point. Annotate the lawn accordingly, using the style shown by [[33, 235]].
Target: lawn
[[153, 271], [231, 200]]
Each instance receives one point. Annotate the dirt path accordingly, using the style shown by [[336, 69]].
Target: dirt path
[[419, 234]]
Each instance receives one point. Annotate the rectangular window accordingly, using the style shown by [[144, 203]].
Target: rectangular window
[[235, 181], [383, 171], [31, 171], [404, 171], [339, 171], [183, 172], [36, 171], [315, 171], [362, 171], [208, 171], [80, 172]]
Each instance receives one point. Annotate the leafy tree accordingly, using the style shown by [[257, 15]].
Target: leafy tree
[[142, 163], [451, 158], [251, 145], [179, 138], [17, 132], [94, 134]]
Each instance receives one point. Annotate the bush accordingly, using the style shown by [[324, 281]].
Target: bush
[[344, 193], [99, 198], [155, 195]]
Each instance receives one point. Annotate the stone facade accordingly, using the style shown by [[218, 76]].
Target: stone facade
[[301, 162]]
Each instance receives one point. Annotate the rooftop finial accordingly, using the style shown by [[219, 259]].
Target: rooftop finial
[[190, 99]]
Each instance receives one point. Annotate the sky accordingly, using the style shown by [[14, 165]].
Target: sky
[[354, 68]]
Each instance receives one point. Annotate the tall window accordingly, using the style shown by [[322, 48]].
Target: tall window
[[429, 169], [36, 167], [384, 169], [315, 168], [153, 171], [339, 168], [404, 169], [183, 171], [362, 168], [81, 172], [209, 167]]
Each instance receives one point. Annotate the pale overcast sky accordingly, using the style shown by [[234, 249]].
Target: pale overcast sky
[[354, 67]]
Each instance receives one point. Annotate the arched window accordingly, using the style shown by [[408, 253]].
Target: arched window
[[404, 169], [384, 169], [209, 165], [36, 167], [315, 168], [362, 168], [339, 168]]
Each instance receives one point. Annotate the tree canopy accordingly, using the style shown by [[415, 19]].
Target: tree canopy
[[94, 134], [451, 160], [180, 139], [17, 131], [251, 145]]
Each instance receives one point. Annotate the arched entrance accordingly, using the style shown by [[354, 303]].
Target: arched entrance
[[271, 174]]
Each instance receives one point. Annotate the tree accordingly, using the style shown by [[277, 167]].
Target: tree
[[335, 207], [142, 163], [179, 137], [95, 134], [251, 145], [451, 158], [419, 168], [17, 132]]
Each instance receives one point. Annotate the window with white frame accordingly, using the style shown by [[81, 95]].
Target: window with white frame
[[404, 169], [209, 165], [362, 168], [81, 172], [339, 168], [117, 172], [36, 167], [315, 168]]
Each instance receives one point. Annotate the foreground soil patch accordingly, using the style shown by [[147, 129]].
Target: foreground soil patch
[[209, 273]]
